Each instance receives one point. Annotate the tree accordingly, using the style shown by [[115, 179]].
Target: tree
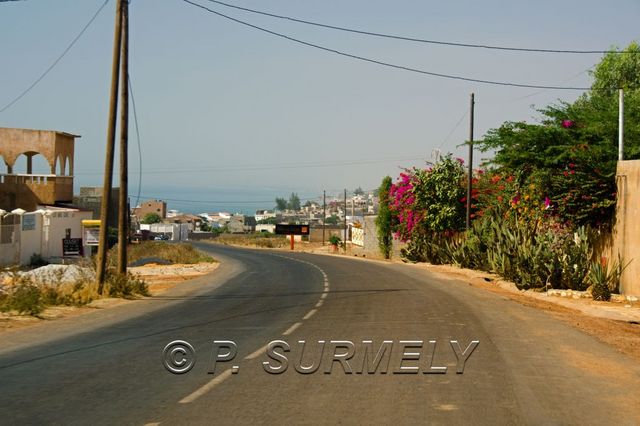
[[332, 220], [268, 221], [150, 218], [358, 191], [384, 220], [281, 204], [617, 71], [294, 202], [572, 153]]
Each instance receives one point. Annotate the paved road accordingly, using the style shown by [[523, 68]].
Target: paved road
[[106, 367]]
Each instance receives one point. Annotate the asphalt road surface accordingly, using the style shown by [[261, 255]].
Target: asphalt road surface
[[108, 367]]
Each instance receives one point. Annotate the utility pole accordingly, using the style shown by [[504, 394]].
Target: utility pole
[[324, 214], [345, 220], [470, 173], [108, 164], [621, 125], [123, 204]]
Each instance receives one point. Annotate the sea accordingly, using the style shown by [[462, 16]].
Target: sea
[[197, 200]]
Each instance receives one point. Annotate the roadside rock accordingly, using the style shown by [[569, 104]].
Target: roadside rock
[[58, 274]]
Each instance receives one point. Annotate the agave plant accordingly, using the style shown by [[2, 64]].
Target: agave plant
[[605, 279]]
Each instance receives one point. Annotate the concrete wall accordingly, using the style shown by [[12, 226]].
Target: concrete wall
[[315, 233], [55, 224], [40, 232], [626, 233], [177, 231], [31, 236]]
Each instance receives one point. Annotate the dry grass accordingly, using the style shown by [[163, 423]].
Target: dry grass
[[173, 252], [253, 240], [24, 296]]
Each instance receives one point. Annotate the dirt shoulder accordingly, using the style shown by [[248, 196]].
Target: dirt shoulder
[[617, 324], [159, 278]]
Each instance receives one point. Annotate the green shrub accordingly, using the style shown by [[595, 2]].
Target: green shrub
[[24, 297], [126, 286], [37, 260]]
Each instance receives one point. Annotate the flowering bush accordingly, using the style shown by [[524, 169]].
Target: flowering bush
[[429, 200]]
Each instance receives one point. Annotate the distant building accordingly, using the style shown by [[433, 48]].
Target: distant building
[[158, 207], [264, 214], [240, 224], [218, 219], [90, 199], [193, 221], [29, 190], [266, 228]]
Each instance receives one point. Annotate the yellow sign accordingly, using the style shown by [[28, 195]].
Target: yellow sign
[[91, 223]]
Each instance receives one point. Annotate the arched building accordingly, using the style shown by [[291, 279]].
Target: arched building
[[28, 188]]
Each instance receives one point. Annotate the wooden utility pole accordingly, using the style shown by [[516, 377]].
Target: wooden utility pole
[[345, 221], [123, 201], [108, 163], [470, 173], [324, 214]]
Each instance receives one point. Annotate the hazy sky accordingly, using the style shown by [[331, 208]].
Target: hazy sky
[[223, 106]]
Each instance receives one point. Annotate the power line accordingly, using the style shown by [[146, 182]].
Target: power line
[[135, 119], [386, 64], [453, 129], [418, 40], [52, 66], [298, 165]]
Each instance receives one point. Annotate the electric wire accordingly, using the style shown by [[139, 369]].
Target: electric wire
[[58, 59], [135, 119], [413, 39], [382, 63]]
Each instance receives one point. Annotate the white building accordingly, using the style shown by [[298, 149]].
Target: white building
[[23, 234]]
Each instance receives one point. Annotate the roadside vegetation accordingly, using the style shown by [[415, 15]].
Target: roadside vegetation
[[261, 240], [31, 291], [170, 252], [541, 205]]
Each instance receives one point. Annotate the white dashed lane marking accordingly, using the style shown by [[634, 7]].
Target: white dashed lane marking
[[227, 373]]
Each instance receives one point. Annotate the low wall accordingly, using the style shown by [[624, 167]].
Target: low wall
[[626, 232]]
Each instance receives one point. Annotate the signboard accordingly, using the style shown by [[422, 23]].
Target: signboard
[[71, 246], [292, 229], [91, 232], [91, 236], [28, 222]]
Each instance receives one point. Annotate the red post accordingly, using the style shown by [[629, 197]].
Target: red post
[[291, 242]]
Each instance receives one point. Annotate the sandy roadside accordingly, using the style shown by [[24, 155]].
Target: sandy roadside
[[159, 278]]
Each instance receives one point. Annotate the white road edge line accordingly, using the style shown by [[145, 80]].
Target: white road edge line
[[207, 387], [324, 295], [292, 329], [320, 302], [310, 314]]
